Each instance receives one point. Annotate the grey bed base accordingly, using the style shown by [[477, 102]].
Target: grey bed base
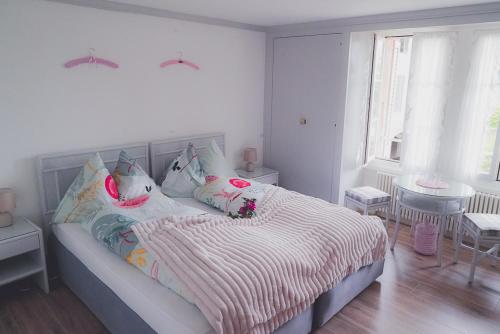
[[98, 296]]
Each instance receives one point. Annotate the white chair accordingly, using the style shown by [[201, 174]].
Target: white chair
[[481, 227], [368, 198]]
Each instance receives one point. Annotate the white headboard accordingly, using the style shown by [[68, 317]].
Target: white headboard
[[56, 172], [163, 152]]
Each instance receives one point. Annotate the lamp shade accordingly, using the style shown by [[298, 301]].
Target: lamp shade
[[7, 200], [250, 154]]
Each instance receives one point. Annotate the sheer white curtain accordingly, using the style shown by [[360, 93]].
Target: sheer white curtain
[[431, 73], [480, 99]]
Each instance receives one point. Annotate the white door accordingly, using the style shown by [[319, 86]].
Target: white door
[[308, 102]]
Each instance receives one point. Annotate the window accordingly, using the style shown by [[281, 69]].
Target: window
[[489, 142], [389, 87], [454, 124], [489, 165]]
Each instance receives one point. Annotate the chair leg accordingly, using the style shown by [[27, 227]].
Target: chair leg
[[365, 210], [413, 219], [440, 240], [396, 227], [458, 245], [495, 253], [455, 230], [387, 211], [474, 260]]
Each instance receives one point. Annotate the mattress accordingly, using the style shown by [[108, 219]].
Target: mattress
[[162, 309]]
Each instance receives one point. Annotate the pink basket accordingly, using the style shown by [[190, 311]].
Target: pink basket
[[426, 238]]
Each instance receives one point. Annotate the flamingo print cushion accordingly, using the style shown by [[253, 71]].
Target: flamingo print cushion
[[183, 175], [236, 197], [132, 181], [93, 188]]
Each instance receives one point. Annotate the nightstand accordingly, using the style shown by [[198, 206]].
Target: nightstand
[[22, 253], [261, 174]]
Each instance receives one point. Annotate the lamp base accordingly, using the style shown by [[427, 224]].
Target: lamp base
[[250, 167], [5, 219]]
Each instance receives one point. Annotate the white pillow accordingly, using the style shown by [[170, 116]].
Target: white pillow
[[131, 179], [213, 162], [183, 175]]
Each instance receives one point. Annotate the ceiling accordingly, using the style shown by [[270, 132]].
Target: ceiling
[[277, 12]]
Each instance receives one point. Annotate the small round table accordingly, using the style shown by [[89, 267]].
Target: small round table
[[442, 203]]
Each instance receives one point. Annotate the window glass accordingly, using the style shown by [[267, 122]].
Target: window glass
[[489, 141], [389, 88]]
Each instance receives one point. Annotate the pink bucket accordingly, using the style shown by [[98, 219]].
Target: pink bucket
[[426, 238]]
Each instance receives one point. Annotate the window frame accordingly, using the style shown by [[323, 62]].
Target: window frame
[[494, 173], [377, 38]]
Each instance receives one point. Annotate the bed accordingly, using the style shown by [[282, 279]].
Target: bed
[[113, 290]]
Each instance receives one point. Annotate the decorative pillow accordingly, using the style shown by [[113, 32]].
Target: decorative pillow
[[132, 181], [90, 191], [238, 198], [213, 162], [120, 215], [183, 175]]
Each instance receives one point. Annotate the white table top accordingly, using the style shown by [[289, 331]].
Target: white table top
[[259, 171], [455, 190], [21, 226]]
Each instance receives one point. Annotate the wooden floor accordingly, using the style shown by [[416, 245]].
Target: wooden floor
[[412, 296]]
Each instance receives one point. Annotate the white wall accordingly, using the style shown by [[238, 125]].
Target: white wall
[[46, 108], [356, 111]]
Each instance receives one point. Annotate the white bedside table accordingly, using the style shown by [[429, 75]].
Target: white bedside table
[[22, 253], [261, 174]]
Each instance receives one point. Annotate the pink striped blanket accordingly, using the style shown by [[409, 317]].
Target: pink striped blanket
[[253, 275]]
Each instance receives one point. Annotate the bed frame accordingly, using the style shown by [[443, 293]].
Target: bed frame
[[56, 173]]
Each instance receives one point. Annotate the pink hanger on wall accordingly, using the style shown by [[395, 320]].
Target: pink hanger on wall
[[91, 59], [179, 61]]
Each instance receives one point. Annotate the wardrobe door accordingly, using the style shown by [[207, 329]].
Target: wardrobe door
[[308, 102]]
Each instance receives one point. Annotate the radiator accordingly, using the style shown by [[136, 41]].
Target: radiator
[[480, 203]]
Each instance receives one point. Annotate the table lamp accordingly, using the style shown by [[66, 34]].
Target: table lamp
[[250, 157], [7, 206]]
